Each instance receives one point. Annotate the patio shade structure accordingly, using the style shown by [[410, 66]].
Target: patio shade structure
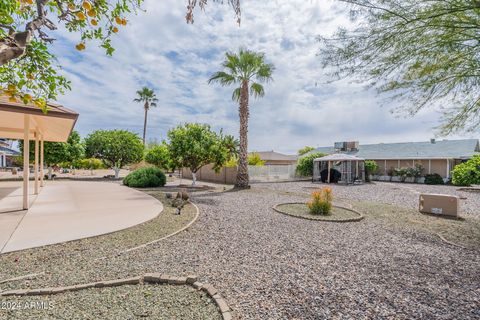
[[28, 122], [339, 167]]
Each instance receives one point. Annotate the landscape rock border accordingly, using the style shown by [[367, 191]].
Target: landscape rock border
[[151, 278], [360, 215]]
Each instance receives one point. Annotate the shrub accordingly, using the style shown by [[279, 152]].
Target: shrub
[[321, 202], [305, 164], [145, 178], [89, 164], [433, 178], [467, 173], [254, 159], [371, 167]]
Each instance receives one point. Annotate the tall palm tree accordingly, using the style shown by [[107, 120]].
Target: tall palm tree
[[245, 69], [149, 99]]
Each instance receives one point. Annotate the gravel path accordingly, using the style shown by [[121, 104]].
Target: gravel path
[[271, 266]]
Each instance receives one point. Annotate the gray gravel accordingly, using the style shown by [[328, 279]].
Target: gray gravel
[[162, 302], [271, 266], [400, 194]]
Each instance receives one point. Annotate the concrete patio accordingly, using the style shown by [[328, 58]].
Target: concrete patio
[[69, 210]]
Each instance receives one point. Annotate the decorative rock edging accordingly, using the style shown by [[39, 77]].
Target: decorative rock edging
[[360, 215], [152, 278]]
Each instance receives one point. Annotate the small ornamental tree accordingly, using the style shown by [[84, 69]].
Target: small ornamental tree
[[116, 148], [305, 164], [194, 145], [159, 156]]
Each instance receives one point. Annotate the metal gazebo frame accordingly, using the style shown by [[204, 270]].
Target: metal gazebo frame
[[351, 169]]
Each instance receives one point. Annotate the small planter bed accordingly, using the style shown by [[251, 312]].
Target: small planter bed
[[301, 210]]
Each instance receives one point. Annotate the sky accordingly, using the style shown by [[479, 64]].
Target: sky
[[158, 49]]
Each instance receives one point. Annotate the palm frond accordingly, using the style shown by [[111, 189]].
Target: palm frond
[[223, 78], [257, 90], [236, 94]]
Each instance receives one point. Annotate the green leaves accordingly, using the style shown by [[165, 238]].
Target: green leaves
[[194, 145], [243, 66], [424, 54], [467, 173], [116, 148]]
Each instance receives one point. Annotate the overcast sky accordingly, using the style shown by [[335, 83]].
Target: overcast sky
[[160, 50]]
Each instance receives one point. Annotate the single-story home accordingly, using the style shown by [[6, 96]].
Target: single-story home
[[276, 158], [436, 156], [7, 154]]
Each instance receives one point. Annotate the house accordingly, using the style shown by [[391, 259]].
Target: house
[[276, 158], [436, 156], [7, 154]]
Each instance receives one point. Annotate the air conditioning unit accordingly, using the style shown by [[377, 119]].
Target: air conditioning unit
[[439, 204]]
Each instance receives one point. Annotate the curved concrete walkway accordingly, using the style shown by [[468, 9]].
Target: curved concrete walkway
[[70, 210]]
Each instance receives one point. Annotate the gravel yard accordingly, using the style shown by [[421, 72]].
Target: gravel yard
[[162, 302], [272, 266]]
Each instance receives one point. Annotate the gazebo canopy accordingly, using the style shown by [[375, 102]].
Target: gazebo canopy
[[55, 125], [339, 157]]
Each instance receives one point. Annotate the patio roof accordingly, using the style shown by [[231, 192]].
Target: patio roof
[[55, 125]]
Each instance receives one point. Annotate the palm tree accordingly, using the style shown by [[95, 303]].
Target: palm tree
[[245, 69], [149, 99]]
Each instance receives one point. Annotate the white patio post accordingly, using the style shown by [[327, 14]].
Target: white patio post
[[448, 168], [26, 159], [35, 168], [328, 174], [42, 174], [385, 168], [429, 166]]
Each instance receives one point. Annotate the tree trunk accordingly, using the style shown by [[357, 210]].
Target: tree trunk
[[117, 172], [194, 178], [242, 172], [145, 123], [13, 46]]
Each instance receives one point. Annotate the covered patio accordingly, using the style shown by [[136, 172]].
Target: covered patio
[[27, 122]]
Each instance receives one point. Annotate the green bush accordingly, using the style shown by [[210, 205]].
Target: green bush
[[145, 178], [371, 168], [89, 164], [433, 178], [467, 173], [305, 164], [321, 202], [255, 160]]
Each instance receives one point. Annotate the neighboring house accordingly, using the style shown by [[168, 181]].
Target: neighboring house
[[6, 154], [275, 158], [436, 156]]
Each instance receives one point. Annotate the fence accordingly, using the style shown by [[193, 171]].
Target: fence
[[268, 173]]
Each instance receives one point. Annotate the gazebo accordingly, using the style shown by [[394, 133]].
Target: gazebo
[[27, 122], [339, 168]]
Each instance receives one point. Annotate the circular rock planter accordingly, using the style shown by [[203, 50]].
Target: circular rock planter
[[300, 210]]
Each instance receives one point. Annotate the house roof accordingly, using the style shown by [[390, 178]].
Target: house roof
[[8, 152], [339, 157], [55, 125], [440, 149], [272, 156]]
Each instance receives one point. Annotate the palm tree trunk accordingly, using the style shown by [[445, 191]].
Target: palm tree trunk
[[242, 172], [145, 123]]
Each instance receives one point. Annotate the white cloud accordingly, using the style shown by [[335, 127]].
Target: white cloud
[[159, 49]]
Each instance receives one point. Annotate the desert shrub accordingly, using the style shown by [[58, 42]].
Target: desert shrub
[[321, 202], [371, 167], [89, 164], [467, 173], [305, 164], [145, 178], [433, 178], [401, 172], [254, 159]]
